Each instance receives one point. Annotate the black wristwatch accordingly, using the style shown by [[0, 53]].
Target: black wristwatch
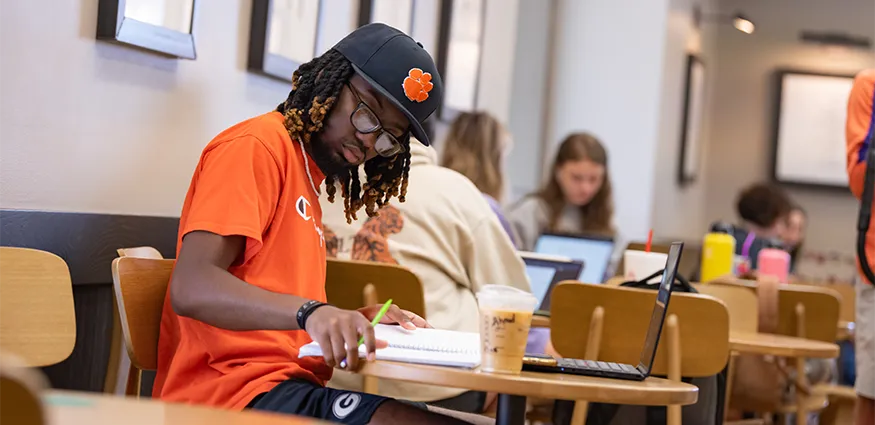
[[306, 310]]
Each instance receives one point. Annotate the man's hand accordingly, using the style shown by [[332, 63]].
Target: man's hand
[[395, 316], [337, 333]]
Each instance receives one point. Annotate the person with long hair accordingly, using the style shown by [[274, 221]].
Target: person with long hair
[[793, 236], [248, 286], [476, 146], [577, 198]]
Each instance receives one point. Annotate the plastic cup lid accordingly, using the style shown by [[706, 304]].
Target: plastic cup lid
[[503, 296]]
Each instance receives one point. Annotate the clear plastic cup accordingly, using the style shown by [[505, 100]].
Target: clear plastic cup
[[505, 318]]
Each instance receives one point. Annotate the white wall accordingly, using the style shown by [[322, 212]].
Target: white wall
[[743, 99], [607, 77], [497, 59], [89, 126], [679, 211], [528, 96], [498, 68]]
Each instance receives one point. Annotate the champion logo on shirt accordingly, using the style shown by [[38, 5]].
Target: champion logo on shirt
[[303, 207]]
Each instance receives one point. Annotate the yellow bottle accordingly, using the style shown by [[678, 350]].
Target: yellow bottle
[[718, 250]]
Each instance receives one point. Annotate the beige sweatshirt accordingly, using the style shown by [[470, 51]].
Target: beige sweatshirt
[[445, 233]]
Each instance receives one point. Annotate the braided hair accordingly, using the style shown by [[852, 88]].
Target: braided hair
[[316, 86]]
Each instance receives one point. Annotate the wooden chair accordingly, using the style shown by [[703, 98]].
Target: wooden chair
[[847, 305], [741, 303], [597, 322], [20, 390], [347, 281], [140, 252], [813, 313], [804, 311], [140, 285], [841, 398], [355, 284], [119, 368], [37, 317]]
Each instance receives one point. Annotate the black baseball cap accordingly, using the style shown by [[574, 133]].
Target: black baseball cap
[[399, 68]]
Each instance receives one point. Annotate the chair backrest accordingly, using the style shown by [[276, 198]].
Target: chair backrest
[[847, 300], [37, 316], [740, 301], [821, 311], [346, 281], [140, 252], [848, 304], [703, 325], [140, 286]]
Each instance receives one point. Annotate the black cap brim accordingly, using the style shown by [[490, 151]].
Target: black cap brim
[[415, 126]]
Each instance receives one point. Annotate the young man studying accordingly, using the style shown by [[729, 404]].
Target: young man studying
[[248, 289], [860, 128]]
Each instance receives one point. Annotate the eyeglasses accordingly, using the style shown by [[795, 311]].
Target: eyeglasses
[[366, 121]]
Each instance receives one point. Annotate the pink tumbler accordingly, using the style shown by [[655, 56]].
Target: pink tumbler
[[774, 262]]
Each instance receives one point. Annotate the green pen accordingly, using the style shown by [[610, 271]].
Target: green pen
[[377, 318]]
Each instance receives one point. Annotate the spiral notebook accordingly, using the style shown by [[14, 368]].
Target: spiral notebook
[[423, 346]]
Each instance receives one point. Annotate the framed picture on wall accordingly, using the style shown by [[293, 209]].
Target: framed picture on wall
[[282, 36], [809, 129], [160, 26], [691, 125], [460, 50], [395, 13]]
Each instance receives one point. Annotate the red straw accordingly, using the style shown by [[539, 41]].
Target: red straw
[[649, 241]]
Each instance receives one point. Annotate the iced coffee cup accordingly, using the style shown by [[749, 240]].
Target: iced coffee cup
[[505, 318]]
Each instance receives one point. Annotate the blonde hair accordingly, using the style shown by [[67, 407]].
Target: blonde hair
[[475, 147]]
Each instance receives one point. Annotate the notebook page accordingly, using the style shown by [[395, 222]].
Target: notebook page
[[421, 346], [429, 339]]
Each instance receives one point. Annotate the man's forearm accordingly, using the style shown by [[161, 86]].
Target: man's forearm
[[216, 297]]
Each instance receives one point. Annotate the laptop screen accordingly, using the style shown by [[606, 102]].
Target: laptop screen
[[544, 273], [540, 277], [594, 252], [658, 317]]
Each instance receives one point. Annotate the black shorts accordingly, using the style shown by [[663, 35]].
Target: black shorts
[[469, 402], [304, 398]]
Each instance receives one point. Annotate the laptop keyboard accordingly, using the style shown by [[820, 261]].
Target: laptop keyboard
[[597, 365]]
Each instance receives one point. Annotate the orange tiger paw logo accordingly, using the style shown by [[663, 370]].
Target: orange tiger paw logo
[[417, 84]]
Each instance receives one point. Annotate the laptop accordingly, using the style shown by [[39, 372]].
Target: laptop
[[594, 251], [651, 341], [545, 272]]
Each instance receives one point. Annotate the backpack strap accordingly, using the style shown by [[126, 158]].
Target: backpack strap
[[767, 304], [679, 281]]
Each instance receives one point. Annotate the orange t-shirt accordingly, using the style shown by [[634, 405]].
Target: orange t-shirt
[[251, 181], [859, 132]]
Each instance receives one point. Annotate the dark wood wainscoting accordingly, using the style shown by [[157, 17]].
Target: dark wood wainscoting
[[88, 243]]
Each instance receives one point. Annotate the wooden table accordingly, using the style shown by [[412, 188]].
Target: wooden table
[[780, 345], [540, 321], [513, 389], [78, 408]]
